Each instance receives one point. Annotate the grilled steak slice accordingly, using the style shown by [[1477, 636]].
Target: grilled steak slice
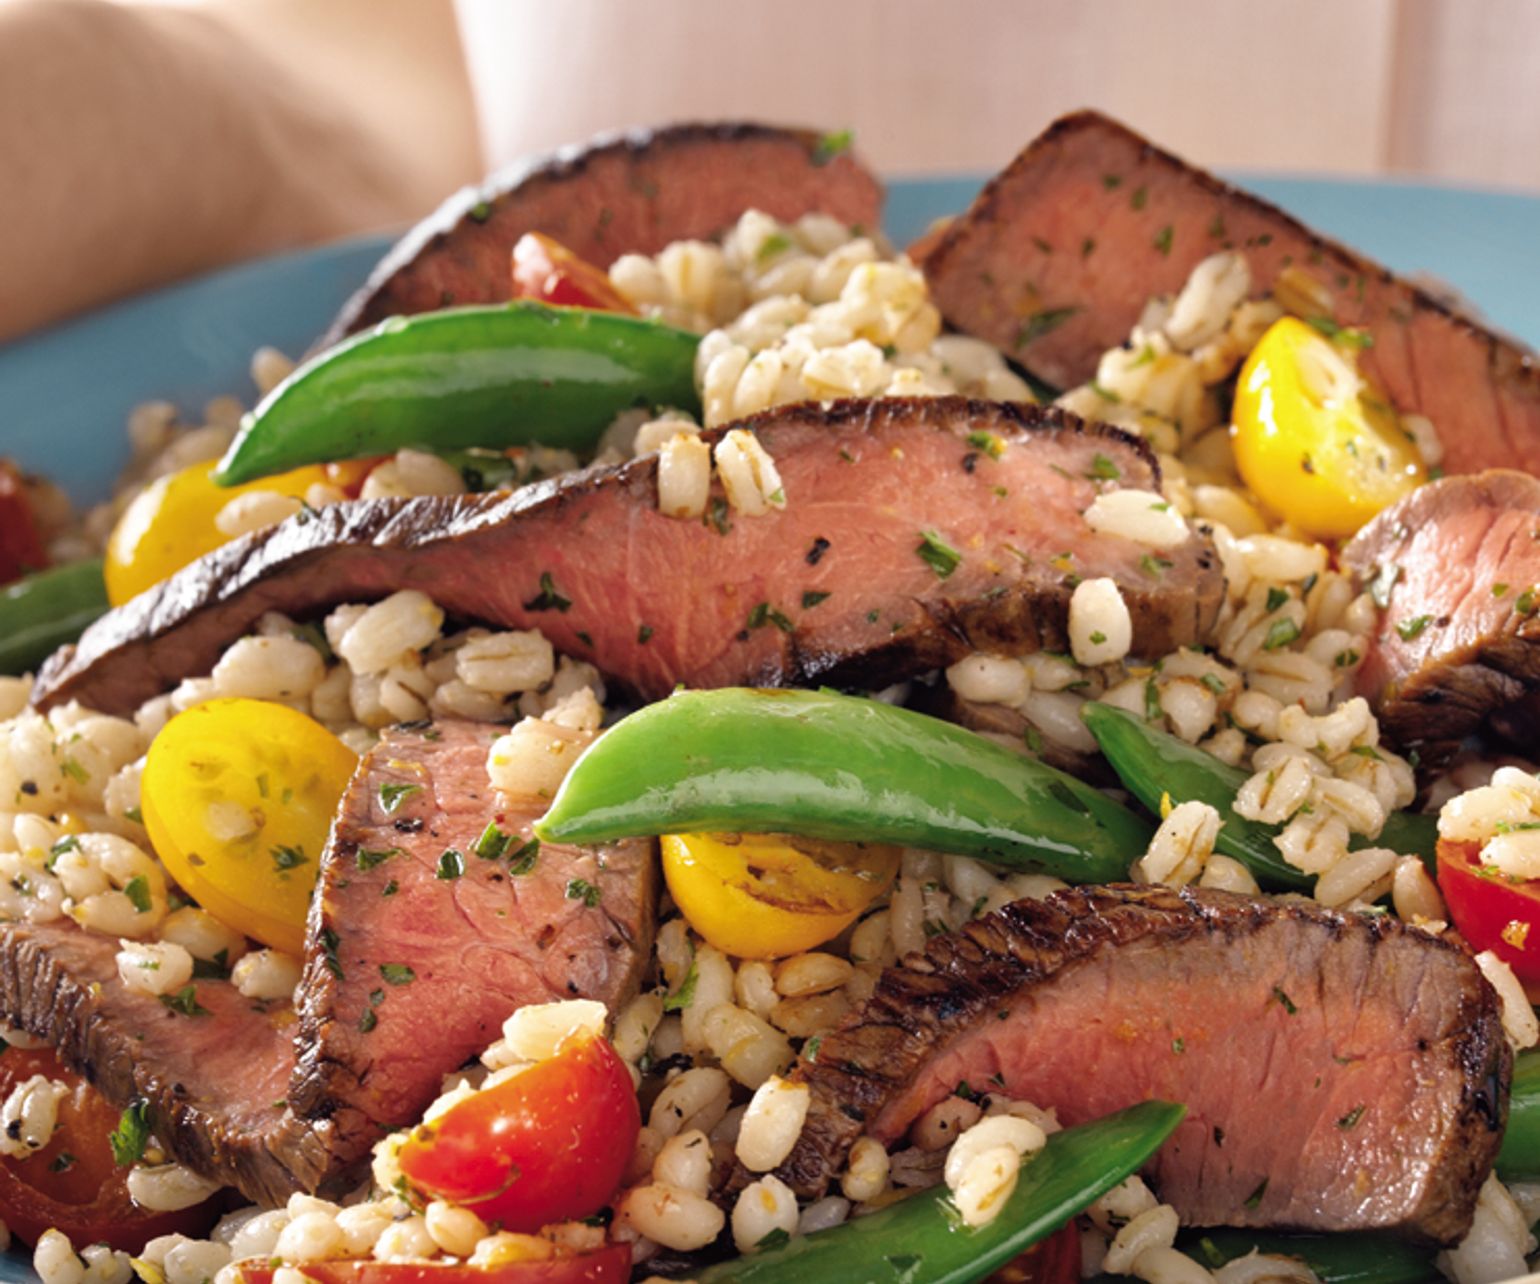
[[902, 547], [1458, 644], [215, 1082], [1058, 255], [411, 966], [620, 194], [1340, 1071]]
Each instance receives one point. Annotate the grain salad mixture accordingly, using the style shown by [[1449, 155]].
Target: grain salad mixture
[[331, 864]]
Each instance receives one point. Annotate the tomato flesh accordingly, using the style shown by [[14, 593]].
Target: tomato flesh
[[1491, 912], [546, 1145], [238, 796], [546, 270], [1055, 1260], [73, 1183], [608, 1265], [21, 543]]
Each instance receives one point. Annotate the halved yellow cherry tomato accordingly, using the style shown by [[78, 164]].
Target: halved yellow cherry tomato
[[171, 522], [764, 896], [1313, 439], [238, 796]]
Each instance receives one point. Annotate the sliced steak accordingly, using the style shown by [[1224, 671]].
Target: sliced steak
[[413, 966], [1340, 1071], [214, 1082], [631, 193], [1059, 254], [841, 586], [1456, 565]]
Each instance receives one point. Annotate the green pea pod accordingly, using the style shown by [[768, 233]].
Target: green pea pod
[[506, 375], [921, 1240], [1519, 1159], [1356, 1258], [1152, 764], [46, 610], [837, 767]]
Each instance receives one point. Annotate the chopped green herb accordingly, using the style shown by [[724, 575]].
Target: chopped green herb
[[1216, 227], [451, 864], [397, 974], [286, 856], [990, 444], [811, 598], [185, 1001], [1154, 566], [685, 994], [129, 1137], [1178, 1045], [1286, 1002], [644, 634], [716, 516], [1163, 239], [764, 614], [548, 599], [493, 843], [214, 969], [1525, 602], [774, 1238], [1214, 683], [523, 860], [1098, 637], [937, 554], [134, 814], [329, 943], [1137, 200], [1106, 394], [831, 145], [1413, 628], [393, 795], [580, 889], [1499, 589], [62, 1163], [1087, 247], [1041, 323], [1352, 1117], [137, 889], [1152, 710], [1103, 469], [368, 1021], [1384, 580], [1276, 597], [810, 1048], [1112, 181], [1280, 634], [1346, 336], [1255, 1198], [369, 857], [390, 888], [775, 243], [74, 771]]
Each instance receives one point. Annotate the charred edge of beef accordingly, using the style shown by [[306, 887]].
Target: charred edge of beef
[[989, 206], [565, 163], [962, 980], [223, 584]]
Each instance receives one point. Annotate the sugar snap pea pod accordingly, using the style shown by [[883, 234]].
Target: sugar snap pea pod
[[1152, 764], [837, 767], [1356, 1258], [504, 375], [1519, 1159], [921, 1240], [46, 610]]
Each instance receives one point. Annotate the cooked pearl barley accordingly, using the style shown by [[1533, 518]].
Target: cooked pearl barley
[[362, 1224], [1100, 628], [762, 1208], [989, 679], [698, 1098], [944, 1122], [254, 511], [29, 1114], [672, 1217], [150, 968], [684, 476], [754, 986], [1214, 289], [401, 625], [1057, 715], [772, 1124], [635, 1024], [1019, 1134], [1154, 1228], [1414, 893], [537, 1030], [1138, 515], [1272, 796], [54, 1260], [811, 973], [985, 1182], [748, 474], [195, 1261], [202, 935], [455, 1230], [506, 662], [854, 369], [533, 759], [404, 1241], [310, 1237], [810, 1014], [1496, 1245], [1354, 875], [657, 433], [168, 1187], [1262, 1268], [713, 986], [1228, 875], [685, 1162], [866, 1173], [1332, 734], [1181, 847], [1477, 814], [1519, 1019], [266, 974], [424, 473], [746, 1045]]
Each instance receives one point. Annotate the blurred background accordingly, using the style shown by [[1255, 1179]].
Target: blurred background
[[144, 142]]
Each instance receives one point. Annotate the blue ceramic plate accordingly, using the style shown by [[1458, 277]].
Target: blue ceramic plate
[[65, 393]]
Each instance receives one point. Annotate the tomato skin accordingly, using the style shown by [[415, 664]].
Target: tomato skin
[[546, 270], [1055, 1260], [21, 544], [285, 770], [1491, 913], [608, 1265], [548, 1144], [89, 1199]]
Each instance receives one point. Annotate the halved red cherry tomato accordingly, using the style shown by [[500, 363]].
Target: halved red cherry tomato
[[1491, 912], [608, 1265], [547, 1145], [73, 1183], [21, 545], [1055, 1260], [546, 270]]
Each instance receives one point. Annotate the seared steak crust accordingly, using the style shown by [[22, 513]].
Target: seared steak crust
[[1458, 644], [1341, 1071], [411, 968], [624, 193], [214, 1083], [1058, 255], [844, 585]]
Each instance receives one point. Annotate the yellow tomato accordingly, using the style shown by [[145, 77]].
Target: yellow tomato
[[171, 522], [238, 796], [1313, 440], [764, 896]]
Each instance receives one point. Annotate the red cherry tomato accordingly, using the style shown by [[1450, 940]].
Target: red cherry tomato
[[1491, 912], [73, 1183], [21, 545], [546, 270], [549, 1144], [608, 1265], [1055, 1260]]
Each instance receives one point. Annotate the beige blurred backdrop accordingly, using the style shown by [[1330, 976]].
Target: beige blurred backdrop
[[145, 140]]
